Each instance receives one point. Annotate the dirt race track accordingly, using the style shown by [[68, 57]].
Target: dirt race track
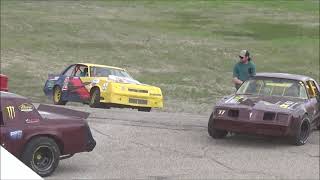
[[158, 145]]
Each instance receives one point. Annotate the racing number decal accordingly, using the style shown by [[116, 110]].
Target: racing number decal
[[11, 112], [288, 104]]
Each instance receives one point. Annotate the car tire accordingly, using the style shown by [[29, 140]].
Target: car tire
[[95, 98], [42, 155], [57, 96], [213, 132], [144, 109], [303, 132]]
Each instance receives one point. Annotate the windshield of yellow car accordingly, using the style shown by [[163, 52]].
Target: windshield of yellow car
[[274, 87], [105, 72]]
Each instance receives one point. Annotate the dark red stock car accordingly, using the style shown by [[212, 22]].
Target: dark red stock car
[[274, 104], [41, 137]]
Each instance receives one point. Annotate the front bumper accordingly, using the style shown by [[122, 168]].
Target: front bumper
[[133, 95], [132, 100], [252, 127]]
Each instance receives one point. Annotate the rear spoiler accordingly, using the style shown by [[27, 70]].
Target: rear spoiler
[[63, 111]]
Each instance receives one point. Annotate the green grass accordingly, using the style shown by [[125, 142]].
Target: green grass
[[188, 48]]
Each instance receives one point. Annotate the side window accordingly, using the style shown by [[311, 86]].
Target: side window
[[93, 71], [81, 71], [69, 71], [302, 91], [312, 89]]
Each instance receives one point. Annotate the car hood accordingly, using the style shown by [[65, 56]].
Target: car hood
[[123, 80], [265, 103]]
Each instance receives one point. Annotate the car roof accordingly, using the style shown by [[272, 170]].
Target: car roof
[[9, 95], [100, 65], [284, 76]]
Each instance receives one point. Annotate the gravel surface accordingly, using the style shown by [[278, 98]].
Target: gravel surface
[[157, 145]]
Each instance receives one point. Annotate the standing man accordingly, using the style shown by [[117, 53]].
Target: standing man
[[244, 69]]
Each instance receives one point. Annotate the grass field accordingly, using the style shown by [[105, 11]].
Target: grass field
[[188, 48]]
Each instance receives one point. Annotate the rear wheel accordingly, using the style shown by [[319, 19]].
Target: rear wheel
[[144, 109], [57, 96], [213, 132], [303, 132], [95, 98], [42, 155]]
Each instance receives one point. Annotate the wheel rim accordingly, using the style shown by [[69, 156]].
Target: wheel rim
[[43, 158], [304, 131], [57, 95]]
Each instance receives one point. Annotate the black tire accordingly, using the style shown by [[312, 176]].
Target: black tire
[[144, 109], [57, 96], [215, 133], [42, 155], [95, 98], [303, 132]]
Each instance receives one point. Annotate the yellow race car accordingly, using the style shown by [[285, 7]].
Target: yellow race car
[[102, 86]]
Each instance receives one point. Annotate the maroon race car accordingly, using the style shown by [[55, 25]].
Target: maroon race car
[[41, 137], [274, 104]]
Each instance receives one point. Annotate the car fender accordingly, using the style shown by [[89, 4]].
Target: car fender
[[55, 135], [296, 119]]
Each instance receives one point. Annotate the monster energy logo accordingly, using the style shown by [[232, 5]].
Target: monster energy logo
[[11, 112]]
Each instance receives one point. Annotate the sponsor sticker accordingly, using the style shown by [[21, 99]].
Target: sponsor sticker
[[95, 81], [29, 121], [288, 104], [16, 134], [11, 112], [26, 107]]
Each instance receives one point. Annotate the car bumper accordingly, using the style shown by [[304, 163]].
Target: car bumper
[[252, 127], [132, 100]]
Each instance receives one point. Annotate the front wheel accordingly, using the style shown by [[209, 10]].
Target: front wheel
[[95, 98], [303, 132], [41, 155], [213, 132], [57, 96]]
